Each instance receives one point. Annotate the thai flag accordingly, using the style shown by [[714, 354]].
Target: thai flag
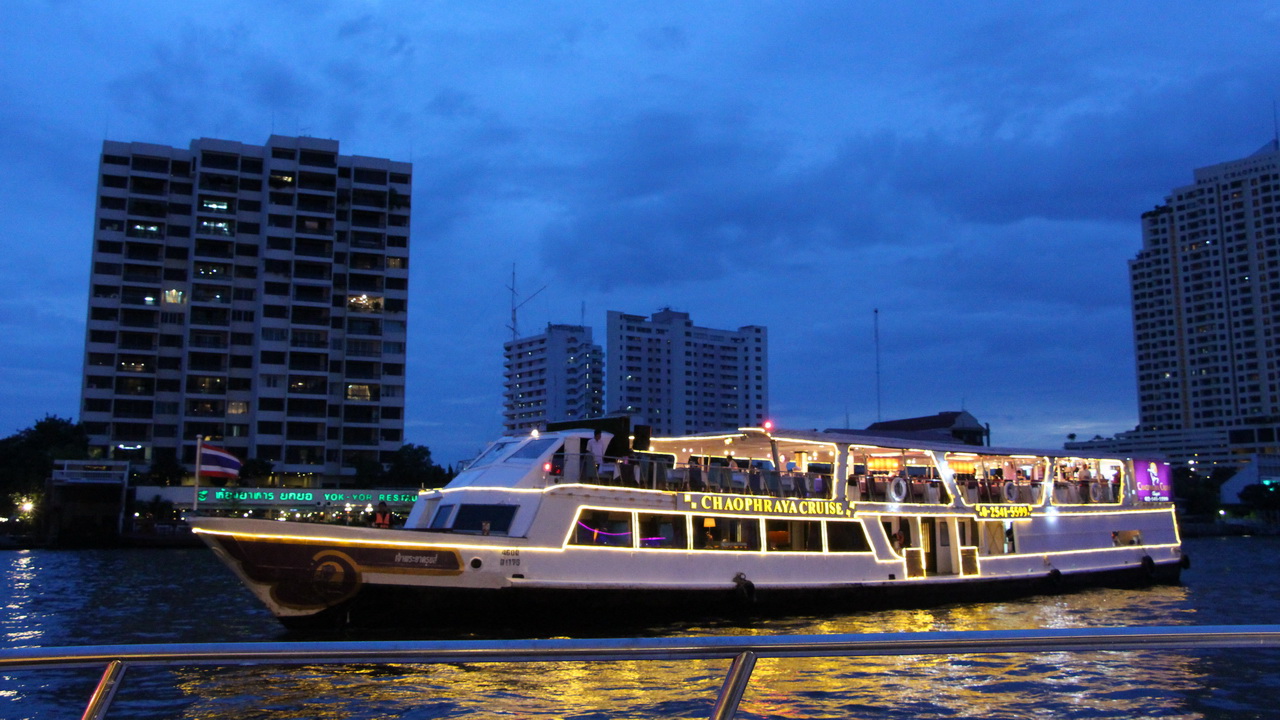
[[216, 462]]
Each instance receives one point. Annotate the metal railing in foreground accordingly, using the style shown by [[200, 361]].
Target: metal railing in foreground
[[744, 651]]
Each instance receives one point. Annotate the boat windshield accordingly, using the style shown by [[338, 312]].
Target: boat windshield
[[493, 452], [534, 449]]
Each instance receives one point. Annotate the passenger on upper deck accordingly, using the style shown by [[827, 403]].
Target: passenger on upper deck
[[596, 446]]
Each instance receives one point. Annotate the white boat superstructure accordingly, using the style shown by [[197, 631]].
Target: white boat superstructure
[[717, 523]]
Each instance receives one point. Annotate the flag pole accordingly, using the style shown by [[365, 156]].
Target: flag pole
[[195, 496]]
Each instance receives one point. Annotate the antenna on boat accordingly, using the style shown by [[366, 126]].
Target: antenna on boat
[[876, 312], [514, 326]]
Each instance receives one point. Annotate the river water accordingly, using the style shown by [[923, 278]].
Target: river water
[[88, 597]]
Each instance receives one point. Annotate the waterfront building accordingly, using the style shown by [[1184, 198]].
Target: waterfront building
[[678, 378], [253, 294], [557, 375], [949, 426], [1206, 318]]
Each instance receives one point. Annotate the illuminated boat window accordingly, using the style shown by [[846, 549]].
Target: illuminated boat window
[[793, 535], [725, 533], [603, 527], [846, 536], [663, 531]]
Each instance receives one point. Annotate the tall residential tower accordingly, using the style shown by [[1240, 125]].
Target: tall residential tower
[[254, 294], [1206, 312], [555, 376], [679, 378]]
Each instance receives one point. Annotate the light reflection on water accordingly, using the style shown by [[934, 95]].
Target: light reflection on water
[[93, 597]]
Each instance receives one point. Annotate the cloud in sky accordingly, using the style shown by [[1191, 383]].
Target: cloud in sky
[[976, 172]]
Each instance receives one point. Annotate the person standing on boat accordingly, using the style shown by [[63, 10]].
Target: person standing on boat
[[596, 446], [382, 516]]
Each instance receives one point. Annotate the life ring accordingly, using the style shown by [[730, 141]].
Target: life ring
[[898, 490], [1097, 492], [1010, 492]]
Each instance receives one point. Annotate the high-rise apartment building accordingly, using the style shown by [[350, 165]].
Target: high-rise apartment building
[[1206, 314], [555, 376], [253, 294], [678, 378]]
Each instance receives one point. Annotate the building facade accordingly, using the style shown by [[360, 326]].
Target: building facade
[[252, 294], [555, 376], [1206, 313], [679, 378]]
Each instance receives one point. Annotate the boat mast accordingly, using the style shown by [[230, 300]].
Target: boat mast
[[876, 311], [514, 327]]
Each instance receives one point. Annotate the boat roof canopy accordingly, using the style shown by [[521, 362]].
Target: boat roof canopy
[[755, 442]]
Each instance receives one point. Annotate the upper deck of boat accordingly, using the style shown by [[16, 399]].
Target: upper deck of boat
[[849, 465]]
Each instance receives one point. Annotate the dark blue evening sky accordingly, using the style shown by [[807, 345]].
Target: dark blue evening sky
[[975, 170]]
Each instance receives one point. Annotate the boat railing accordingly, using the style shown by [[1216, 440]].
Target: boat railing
[[652, 474], [893, 488], [701, 477], [742, 651]]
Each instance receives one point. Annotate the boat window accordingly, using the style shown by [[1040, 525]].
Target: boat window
[[846, 536], [602, 527], [493, 452], [484, 519], [793, 535], [441, 519], [725, 533], [663, 531], [534, 449]]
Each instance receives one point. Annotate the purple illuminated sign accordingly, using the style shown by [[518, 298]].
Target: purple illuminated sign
[[1154, 481]]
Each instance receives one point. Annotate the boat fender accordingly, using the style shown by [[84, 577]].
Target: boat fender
[[1097, 492], [1010, 492], [1185, 562], [1055, 578], [898, 490], [1149, 567], [744, 590]]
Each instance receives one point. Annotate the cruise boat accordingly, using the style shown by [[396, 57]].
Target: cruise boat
[[752, 520]]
